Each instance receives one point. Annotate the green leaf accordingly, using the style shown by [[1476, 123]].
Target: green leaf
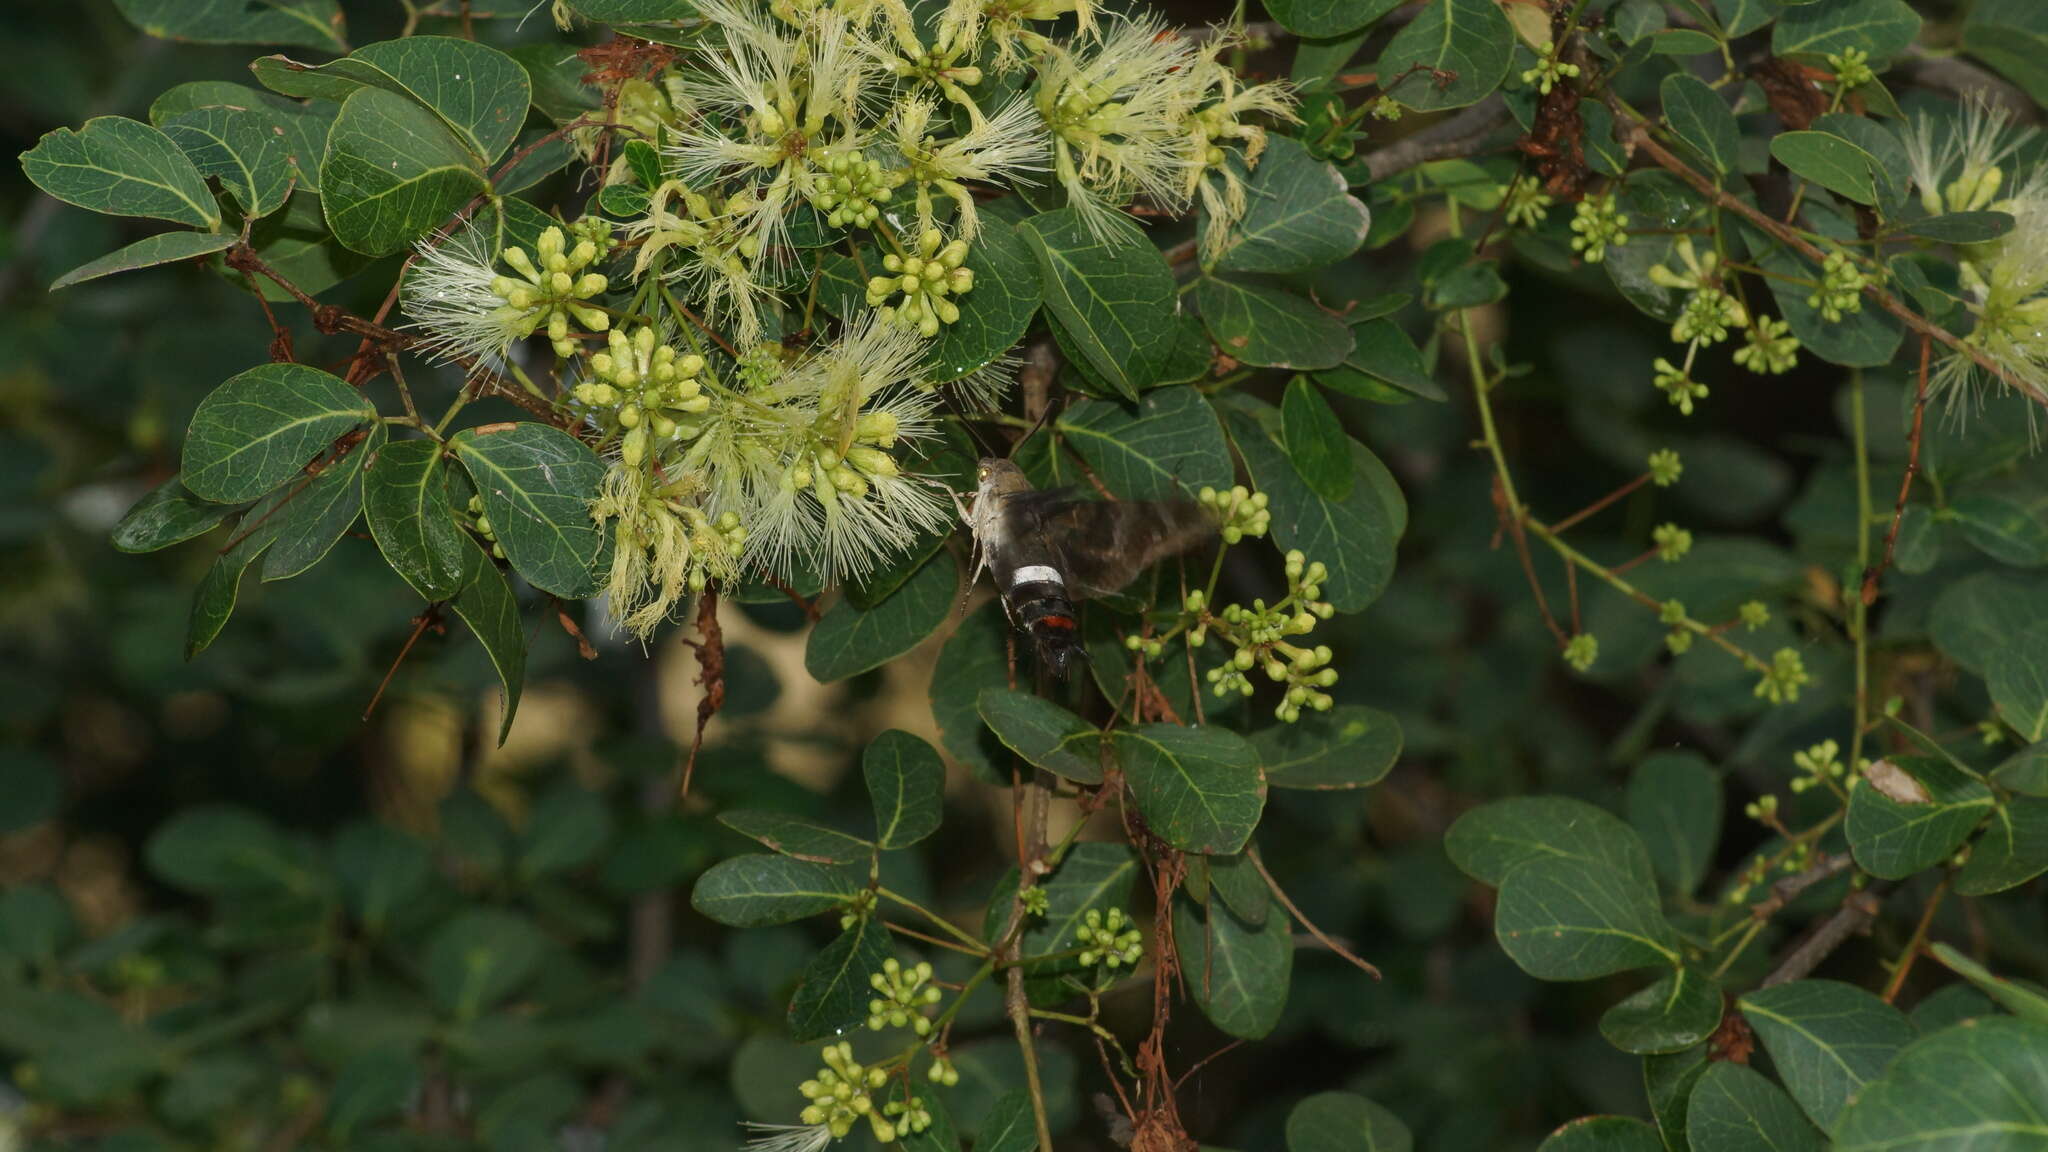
[[1199, 789], [2012, 37], [213, 601], [240, 148], [1315, 440], [1043, 733], [1735, 1109], [1328, 17], [833, 992], [1571, 918], [1741, 17], [1381, 351], [259, 428], [405, 503], [121, 167], [1469, 38], [2025, 771], [995, 314], [1350, 746], [2026, 1001], [379, 869], [566, 830], [308, 23], [486, 604], [906, 784], [1237, 882], [1603, 1134], [164, 248], [1115, 298], [1271, 328], [1668, 1082], [2009, 526], [1683, 42], [1674, 801], [2012, 850], [222, 851], [1827, 1040], [1009, 1126], [169, 515], [1342, 1122], [1355, 537], [973, 659], [1301, 215], [392, 173], [1237, 972], [1678, 1011], [1702, 119], [1829, 161], [798, 838], [752, 891], [479, 958], [1962, 227], [1882, 28], [1979, 1084], [849, 639], [1168, 445], [311, 520], [479, 93], [1489, 841], [537, 483], [1893, 840]]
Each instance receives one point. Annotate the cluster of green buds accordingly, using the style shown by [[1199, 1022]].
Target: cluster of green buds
[[1598, 222], [853, 189], [1769, 349], [648, 386], [1036, 901], [1665, 467], [1841, 287], [554, 288], [906, 992], [1677, 384], [1852, 69], [839, 1095], [1260, 635], [1219, 122], [482, 526], [1526, 203], [858, 908], [1112, 940], [1709, 310], [1821, 763], [943, 1072], [1581, 651], [1549, 71], [1752, 877], [1753, 614], [1784, 677], [910, 1113], [1671, 541], [1763, 810], [1672, 614], [925, 279], [1242, 512]]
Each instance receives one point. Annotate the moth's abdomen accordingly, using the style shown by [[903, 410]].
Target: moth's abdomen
[[1037, 599]]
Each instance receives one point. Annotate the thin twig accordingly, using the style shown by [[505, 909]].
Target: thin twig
[[1891, 536], [1459, 135], [1280, 894], [1918, 941], [1852, 917]]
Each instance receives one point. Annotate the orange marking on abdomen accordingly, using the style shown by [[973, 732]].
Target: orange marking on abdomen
[[1062, 622]]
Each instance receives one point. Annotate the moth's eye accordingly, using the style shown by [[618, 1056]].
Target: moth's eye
[[981, 473]]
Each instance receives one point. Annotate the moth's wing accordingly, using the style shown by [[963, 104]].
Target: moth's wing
[[1103, 544]]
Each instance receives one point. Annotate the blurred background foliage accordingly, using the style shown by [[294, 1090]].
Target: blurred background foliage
[[286, 891]]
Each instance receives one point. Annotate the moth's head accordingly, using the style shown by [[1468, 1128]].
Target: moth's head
[[995, 474]]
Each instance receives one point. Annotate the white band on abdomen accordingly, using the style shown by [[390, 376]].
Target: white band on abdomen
[[1036, 574]]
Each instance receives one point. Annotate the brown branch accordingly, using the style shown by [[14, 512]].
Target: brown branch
[[1601, 504], [1917, 942], [1786, 888], [1852, 917], [1891, 536], [1784, 234], [1459, 135], [710, 674]]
